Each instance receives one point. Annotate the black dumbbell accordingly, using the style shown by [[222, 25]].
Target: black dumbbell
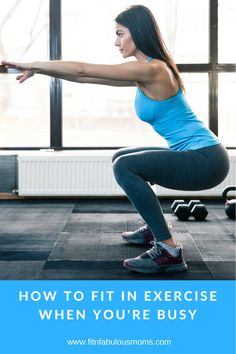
[[199, 211], [195, 208], [181, 209]]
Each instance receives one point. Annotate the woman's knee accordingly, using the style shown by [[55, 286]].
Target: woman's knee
[[120, 167], [117, 154], [124, 151], [114, 156]]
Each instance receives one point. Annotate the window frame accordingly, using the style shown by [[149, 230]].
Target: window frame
[[213, 68]]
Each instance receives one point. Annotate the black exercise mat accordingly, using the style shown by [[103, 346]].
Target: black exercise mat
[[110, 206], [103, 206]]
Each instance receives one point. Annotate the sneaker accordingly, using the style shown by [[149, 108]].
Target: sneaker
[[142, 236], [156, 260]]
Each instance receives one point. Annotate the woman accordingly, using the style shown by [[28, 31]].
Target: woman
[[195, 159]]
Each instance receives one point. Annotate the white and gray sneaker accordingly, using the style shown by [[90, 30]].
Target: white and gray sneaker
[[142, 236], [157, 260]]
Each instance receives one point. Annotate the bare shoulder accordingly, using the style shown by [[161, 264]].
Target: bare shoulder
[[163, 84], [157, 70], [163, 73], [158, 66]]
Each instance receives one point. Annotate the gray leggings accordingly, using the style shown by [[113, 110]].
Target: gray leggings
[[189, 170]]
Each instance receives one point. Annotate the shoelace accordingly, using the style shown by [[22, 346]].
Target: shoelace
[[155, 251], [144, 228]]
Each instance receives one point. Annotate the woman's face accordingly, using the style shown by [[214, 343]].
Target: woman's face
[[124, 41]]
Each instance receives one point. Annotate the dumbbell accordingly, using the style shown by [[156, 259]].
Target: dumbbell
[[195, 208]]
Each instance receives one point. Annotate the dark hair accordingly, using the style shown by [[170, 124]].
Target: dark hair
[[147, 36]]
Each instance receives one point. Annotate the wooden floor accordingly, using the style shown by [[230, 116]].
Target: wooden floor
[[81, 240]]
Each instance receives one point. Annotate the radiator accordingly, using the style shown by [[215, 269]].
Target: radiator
[[80, 173], [86, 173]]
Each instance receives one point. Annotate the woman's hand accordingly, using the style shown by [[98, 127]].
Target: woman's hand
[[25, 68]]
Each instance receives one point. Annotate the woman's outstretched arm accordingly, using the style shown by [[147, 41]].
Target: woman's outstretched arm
[[125, 74]]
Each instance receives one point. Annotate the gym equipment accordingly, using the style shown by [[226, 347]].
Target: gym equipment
[[194, 208], [176, 203], [230, 205], [199, 211], [180, 209]]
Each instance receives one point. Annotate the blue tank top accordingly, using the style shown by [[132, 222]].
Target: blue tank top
[[175, 121]]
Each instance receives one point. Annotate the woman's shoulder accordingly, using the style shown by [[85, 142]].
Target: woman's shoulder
[[163, 84], [158, 64]]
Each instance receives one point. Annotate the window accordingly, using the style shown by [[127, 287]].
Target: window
[[91, 116], [184, 28], [227, 108], [24, 109], [227, 30]]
